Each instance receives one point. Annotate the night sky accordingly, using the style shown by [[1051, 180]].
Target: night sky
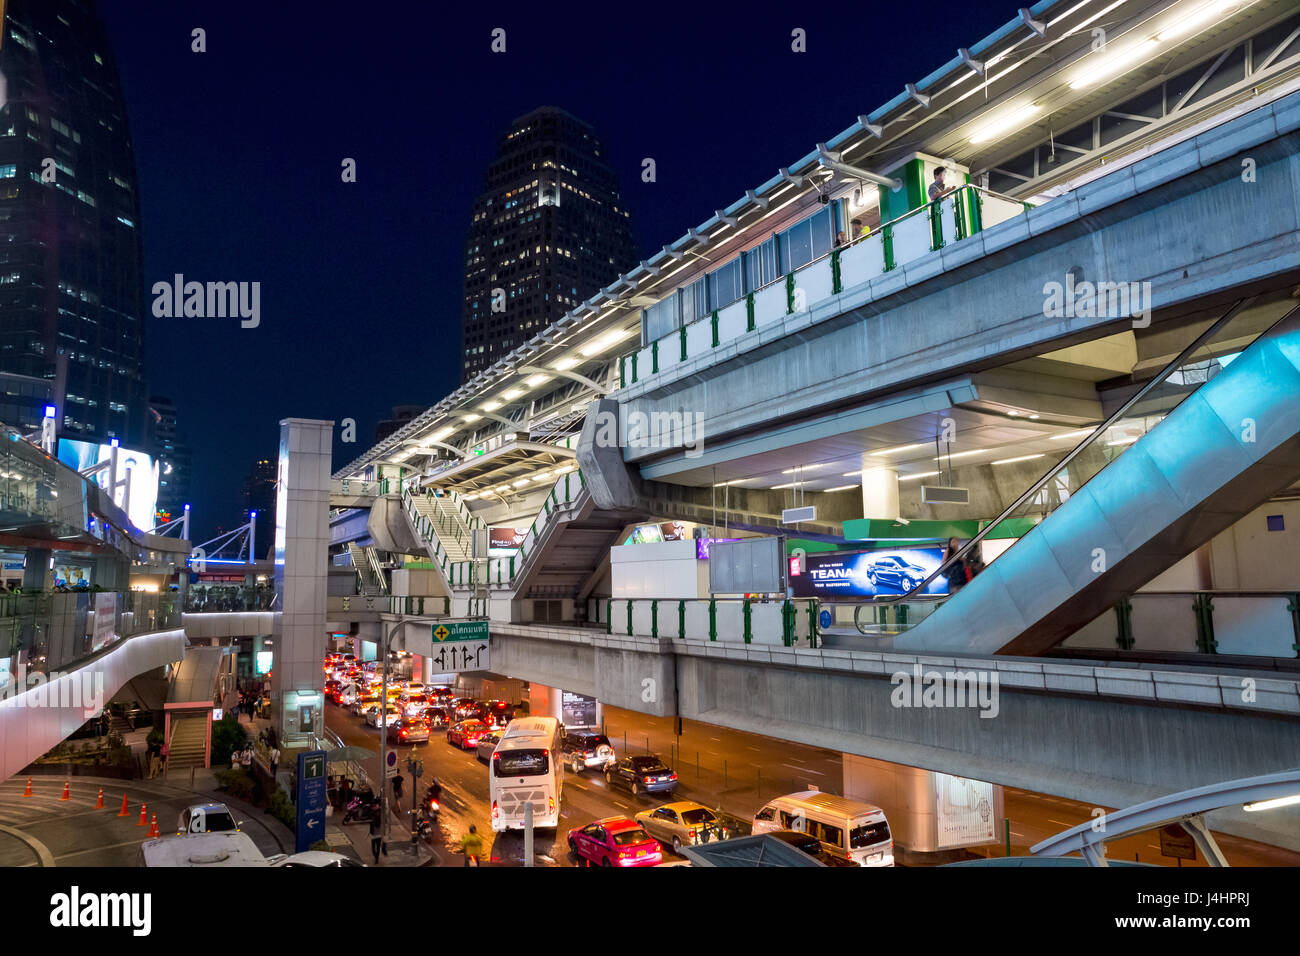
[[238, 154]]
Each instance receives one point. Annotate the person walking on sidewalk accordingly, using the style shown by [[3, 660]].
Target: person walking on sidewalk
[[275, 759], [397, 789], [471, 844], [376, 836]]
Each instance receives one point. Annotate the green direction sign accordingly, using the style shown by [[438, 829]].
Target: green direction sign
[[445, 633]]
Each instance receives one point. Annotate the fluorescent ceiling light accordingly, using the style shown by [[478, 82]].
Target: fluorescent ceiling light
[[1105, 65], [605, 342], [472, 417], [1008, 461], [536, 380], [564, 364], [1271, 804], [919, 474], [1195, 19], [842, 488], [490, 406], [795, 471], [541, 476], [1068, 435], [1007, 122], [519, 484], [895, 450], [442, 433], [851, 474], [470, 497], [501, 489], [565, 470], [512, 393], [790, 484]]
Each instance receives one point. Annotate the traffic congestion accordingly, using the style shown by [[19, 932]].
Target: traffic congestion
[[489, 762]]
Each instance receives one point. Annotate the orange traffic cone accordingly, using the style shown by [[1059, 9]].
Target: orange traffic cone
[[28, 791], [153, 827], [144, 820], [124, 812], [99, 801], [67, 790]]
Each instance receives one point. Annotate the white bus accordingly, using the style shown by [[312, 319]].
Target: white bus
[[851, 829], [525, 768]]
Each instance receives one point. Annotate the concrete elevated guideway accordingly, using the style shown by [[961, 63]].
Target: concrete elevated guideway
[[1113, 736], [1182, 220]]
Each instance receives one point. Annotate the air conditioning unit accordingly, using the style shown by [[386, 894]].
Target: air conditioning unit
[[941, 495]]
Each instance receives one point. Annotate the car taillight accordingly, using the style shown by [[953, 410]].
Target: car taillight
[[550, 804], [672, 776], [649, 779], [495, 810]]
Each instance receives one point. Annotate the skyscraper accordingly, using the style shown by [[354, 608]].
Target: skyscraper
[[174, 457], [259, 496], [71, 302], [548, 232]]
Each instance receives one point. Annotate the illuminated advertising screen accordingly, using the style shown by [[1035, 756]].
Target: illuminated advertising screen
[[702, 546], [965, 811], [656, 533], [505, 541], [865, 574], [81, 455]]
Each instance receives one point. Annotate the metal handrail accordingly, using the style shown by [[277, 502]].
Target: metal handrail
[[1055, 469]]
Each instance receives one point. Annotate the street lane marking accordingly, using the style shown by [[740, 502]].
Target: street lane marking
[[1062, 823], [718, 739], [755, 749], [804, 769]]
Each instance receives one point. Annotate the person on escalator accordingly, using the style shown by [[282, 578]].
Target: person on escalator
[[956, 572]]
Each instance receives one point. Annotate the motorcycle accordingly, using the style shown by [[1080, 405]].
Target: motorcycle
[[360, 811]]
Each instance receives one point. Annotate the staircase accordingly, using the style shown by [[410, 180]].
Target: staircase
[[189, 743], [373, 583], [449, 524]]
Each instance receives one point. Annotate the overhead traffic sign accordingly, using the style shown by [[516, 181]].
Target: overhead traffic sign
[[445, 633]]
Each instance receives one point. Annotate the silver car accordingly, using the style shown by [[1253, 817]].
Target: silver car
[[683, 823], [488, 743]]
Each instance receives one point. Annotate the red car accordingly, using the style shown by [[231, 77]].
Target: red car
[[465, 733], [614, 841]]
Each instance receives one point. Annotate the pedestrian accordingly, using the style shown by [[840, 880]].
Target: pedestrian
[[472, 845], [938, 189], [376, 836], [275, 759], [956, 572], [397, 789], [130, 720], [162, 758], [246, 760]]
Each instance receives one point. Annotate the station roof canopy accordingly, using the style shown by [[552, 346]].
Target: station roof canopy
[[757, 850], [519, 464], [1043, 75]]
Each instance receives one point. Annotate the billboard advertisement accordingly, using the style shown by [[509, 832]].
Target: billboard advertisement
[[503, 541], [865, 574], [577, 710], [965, 811], [81, 455]]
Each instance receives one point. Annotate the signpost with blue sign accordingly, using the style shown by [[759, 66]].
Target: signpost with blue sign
[[311, 799]]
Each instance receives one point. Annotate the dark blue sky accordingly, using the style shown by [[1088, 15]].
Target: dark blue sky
[[238, 154]]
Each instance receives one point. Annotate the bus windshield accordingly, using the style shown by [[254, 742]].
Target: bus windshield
[[521, 763]]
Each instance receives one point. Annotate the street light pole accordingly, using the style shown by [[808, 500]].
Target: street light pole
[[383, 724]]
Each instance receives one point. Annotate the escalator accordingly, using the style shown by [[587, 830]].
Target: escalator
[[1213, 436]]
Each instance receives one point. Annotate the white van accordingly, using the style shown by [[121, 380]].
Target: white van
[[847, 828], [204, 849]]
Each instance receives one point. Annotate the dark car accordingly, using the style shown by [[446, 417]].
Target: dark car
[[646, 774], [467, 708], [499, 712], [894, 571], [584, 749], [810, 845]]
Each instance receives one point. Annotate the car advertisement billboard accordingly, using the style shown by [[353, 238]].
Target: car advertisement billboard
[[865, 574]]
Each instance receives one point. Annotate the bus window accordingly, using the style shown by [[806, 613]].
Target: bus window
[[521, 763]]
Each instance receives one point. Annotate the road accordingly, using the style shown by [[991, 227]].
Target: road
[[717, 767]]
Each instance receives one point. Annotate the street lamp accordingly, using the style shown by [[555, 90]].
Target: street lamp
[[383, 724]]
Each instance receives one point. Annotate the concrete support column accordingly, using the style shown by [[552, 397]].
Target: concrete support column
[[301, 549], [879, 489]]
